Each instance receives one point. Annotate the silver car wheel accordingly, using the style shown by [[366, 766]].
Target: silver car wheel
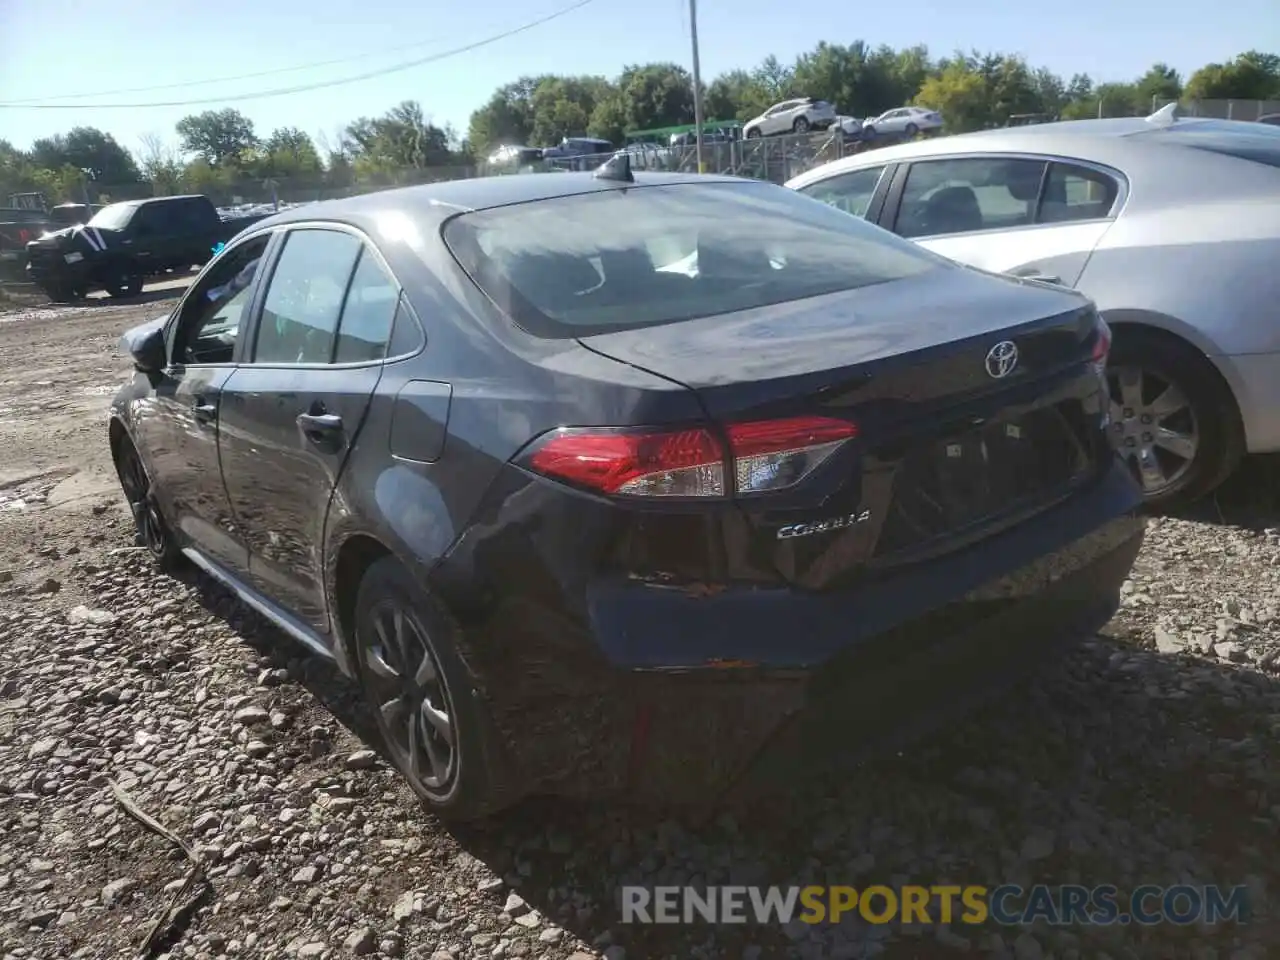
[[1153, 426]]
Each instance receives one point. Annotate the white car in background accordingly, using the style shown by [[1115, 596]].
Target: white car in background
[[904, 120], [791, 116], [1170, 225]]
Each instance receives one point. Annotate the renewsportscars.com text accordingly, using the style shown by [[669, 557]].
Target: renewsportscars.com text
[[1008, 904]]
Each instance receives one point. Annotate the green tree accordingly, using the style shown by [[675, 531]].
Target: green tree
[[1250, 76], [1157, 86], [218, 136], [89, 150], [735, 95], [959, 93], [507, 117], [289, 152]]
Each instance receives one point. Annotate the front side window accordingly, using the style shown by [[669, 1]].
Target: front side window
[[663, 254], [213, 312], [962, 195], [850, 192], [304, 297]]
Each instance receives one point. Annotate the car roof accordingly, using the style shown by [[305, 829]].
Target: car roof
[[433, 202], [1072, 137]]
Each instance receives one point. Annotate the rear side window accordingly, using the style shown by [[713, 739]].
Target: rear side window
[[367, 314], [620, 259], [1258, 142], [1076, 193], [305, 297]]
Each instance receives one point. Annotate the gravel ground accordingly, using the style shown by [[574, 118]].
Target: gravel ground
[[1146, 757]]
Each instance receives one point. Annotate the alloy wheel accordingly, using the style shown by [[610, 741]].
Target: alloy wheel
[[1153, 426], [146, 512], [409, 692]]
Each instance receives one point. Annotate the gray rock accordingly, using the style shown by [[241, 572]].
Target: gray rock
[[362, 760], [515, 905], [251, 716], [362, 941], [551, 935], [1027, 947], [117, 890]]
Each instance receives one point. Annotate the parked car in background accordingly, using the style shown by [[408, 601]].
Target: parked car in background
[[124, 243], [560, 509], [851, 127], [578, 147], [69, 214], [791, 116], [1271, 118], [18, 227], [904, 121], [514, 155], [1171, 225]]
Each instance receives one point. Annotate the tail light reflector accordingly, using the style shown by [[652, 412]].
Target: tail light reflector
[[1102, 343], [762, 456]]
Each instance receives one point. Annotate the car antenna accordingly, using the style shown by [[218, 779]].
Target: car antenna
[[1165, 115], [617, 168]]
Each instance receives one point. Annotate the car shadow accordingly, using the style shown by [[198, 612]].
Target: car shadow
[[1249, 498], [1096, 770]]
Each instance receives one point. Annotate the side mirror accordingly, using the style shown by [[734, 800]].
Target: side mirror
[[147, 347]]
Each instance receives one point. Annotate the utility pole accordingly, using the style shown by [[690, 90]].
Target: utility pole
[[697, 80]]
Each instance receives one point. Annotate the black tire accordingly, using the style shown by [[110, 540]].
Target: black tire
[[868, 133], [754, 133], [153, 530], [126, 283], [463, 787], [912, 130], [801, 125], [1210, 413]]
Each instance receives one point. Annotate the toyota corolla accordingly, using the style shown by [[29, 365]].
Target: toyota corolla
[[632, 484]]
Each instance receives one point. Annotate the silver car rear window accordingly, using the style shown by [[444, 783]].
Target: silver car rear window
[[1258, 142], [618, 259]]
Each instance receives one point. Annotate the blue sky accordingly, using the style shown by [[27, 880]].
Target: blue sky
[[56, 47]]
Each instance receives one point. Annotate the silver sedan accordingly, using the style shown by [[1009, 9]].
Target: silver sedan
[[1171, 225]]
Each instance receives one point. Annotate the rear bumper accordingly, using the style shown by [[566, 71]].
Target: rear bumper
[[651, 690]]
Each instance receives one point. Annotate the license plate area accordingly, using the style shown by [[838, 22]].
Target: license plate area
[[945, 486]]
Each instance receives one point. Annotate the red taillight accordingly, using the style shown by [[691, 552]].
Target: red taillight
[[763, 456], [1101, 345], [685, 463], [24, 235]]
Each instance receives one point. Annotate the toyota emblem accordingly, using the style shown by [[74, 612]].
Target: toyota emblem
[[1002, 359]]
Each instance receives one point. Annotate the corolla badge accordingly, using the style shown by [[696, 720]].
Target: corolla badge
[[822, 526], [1002, 359]]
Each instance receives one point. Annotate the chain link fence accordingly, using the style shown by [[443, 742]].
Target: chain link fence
[[1223, 109]]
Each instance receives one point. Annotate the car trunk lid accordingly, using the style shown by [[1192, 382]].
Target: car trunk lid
[[973, 399]]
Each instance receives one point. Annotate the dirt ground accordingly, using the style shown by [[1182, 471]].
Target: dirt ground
[[59, 367], [1146, 756]]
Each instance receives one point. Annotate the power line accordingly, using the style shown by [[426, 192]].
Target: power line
[[304, 88], [228, 79]]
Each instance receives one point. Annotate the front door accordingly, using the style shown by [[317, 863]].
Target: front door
[[291, 415], [178, 424], [1020, 216]]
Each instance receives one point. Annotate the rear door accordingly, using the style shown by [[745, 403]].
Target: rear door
[[291, 414], [1030, 217]]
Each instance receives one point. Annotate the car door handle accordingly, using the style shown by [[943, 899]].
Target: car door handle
[[322, 429], [204, 412]]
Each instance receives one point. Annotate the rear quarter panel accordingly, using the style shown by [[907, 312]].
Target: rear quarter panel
[[1206, 271]]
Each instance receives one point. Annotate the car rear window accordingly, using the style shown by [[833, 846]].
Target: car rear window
[[1258, 142], [613, 260]]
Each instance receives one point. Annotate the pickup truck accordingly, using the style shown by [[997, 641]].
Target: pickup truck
[[125, 243], [18, 227]]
